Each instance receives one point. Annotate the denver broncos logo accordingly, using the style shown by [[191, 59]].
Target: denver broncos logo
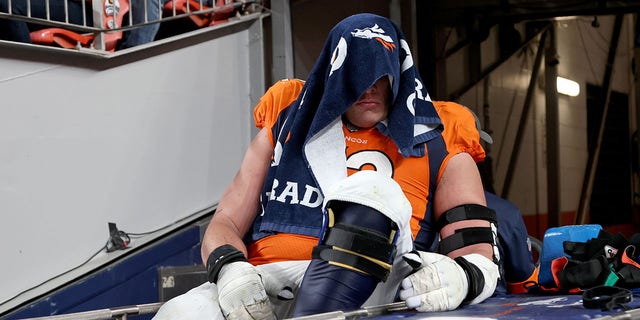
[[376, 33]]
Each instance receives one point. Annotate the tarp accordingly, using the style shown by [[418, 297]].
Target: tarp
[[522, 306]]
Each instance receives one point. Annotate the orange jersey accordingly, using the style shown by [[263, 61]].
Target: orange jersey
[[460, 132], [368, 149], [277, 98]]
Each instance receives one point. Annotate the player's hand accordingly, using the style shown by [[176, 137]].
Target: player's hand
[[440, 284], [243, 292]]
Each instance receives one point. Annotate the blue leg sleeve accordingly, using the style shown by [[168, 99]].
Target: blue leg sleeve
[[327, 287]]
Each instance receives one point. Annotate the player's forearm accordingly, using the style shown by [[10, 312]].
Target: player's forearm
[[219, 233], [239, 204]]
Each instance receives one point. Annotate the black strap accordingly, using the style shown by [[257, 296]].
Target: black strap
[[467, 212], [363, 242], [329, 254], [436, 153], [606, 298], [219, 257], [465, 237]]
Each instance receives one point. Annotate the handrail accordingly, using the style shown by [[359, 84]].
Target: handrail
[[87, 56], [106, 314], [82, 28], [245, 7]]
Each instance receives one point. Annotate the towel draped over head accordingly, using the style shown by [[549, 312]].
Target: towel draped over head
[[310, 151]]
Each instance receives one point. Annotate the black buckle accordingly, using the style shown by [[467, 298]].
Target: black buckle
[[606, 298]]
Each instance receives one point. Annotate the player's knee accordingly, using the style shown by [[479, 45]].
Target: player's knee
[[197, 303], [359, 238], [366, 224]]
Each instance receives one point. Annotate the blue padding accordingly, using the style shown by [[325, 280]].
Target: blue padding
[[552, 246], [129, 281]]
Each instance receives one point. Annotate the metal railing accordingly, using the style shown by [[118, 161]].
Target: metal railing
[[120, 313], [101, 17]]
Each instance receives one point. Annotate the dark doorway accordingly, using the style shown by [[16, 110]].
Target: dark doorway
[[610, 202]]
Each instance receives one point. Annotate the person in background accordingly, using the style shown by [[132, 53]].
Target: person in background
[[143, 34], [303, 213], [78, 13]]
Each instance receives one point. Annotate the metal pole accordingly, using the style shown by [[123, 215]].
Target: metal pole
[[635, 196], [592, 162], [107, 314], [487, 164], [523, 116], [98, 21], [364, 312], [282, 43], [552, 124]]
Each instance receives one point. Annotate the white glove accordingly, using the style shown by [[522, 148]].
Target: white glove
[[441, 283], [242, 294]]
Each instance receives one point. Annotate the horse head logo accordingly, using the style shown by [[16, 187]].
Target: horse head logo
[[376, 33]]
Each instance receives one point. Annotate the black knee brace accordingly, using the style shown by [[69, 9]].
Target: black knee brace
[[355, 253]]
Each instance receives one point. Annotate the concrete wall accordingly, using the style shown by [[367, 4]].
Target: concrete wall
[[145, 140]]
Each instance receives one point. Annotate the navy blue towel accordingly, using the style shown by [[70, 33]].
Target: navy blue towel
[[359, 50]]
